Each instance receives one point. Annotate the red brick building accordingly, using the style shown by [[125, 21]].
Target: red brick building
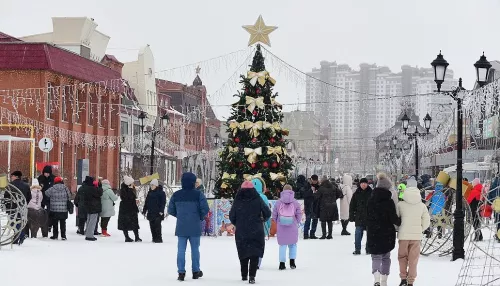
[[82, 119]]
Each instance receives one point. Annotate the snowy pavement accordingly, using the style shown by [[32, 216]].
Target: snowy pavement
[[111, 261]]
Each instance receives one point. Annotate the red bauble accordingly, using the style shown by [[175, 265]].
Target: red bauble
[[282, 139], [237, 140], [274, 165], [246, 89], [265, 164], [253, 165], [241, 165], [254, 140], [258, 91], [243, 110], [272, 140], [255, 113]]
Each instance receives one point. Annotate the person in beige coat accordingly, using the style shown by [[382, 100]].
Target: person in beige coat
[[414, 220], [344, 203]]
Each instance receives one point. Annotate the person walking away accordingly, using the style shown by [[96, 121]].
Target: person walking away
[[16, 180], [401, 191], [327, 195], [380, 229], [108, 200], [306, 193], [98, 185], [358, 214], [190, 207], [46, 180], [128, 215], [344, 203], [494, 200], [287, 213], [81, 217], [154, 209], [36, 215], [260, 187], [58, 196], [248, 214], [415, 220], [92, 201], [474, 199]]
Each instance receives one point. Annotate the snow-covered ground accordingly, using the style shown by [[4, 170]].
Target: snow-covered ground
[[111, 261]]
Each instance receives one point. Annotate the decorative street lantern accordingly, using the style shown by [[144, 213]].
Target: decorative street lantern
[[482, 69], [440, 65]]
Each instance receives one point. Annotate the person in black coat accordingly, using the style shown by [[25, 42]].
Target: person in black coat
[[16, 180], [128, 219], [248, 214], [81, 216], [307, 191], [327, 196], [46, 180], [92, 201], [381, 231], [154, 209], [357, 212]]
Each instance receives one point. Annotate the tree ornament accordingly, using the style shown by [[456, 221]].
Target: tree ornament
[[258, 91], [259, 32], [265, 164], [255, 113], [282, 140], [240, 164], [272, 140], [253, 165], [254, 140], [243, 110], [274, 165], [237, 140]]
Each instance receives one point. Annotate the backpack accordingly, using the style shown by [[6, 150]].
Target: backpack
[[287, 214]]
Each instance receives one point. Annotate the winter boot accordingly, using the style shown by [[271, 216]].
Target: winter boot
[[252, 280], [127, 237], [306, 236], [292, 264], [376, 277], [383, 280], [198, 274], [404, 282], [282, 266], [344, 228], [181, 276], [312, 236], [105, 233], [357, 252]]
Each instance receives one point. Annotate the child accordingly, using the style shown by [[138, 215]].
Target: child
[[381, 233], [414, 220], [155, 209], [287, 215], [36, 215]]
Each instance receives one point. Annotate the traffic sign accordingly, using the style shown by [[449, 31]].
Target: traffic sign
[[45, 144]]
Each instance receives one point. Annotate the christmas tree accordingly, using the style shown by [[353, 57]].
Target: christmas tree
[[256, 146]]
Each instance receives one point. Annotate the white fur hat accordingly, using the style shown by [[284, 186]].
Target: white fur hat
[[35, 183], [154, 182], [128, 180]]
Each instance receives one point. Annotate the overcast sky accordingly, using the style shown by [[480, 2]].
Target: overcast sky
[[385, 32]]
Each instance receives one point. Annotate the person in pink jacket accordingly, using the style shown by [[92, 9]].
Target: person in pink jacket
[[37, 216], [287, 214]]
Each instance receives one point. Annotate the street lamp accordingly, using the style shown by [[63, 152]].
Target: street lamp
[[415, 134], [482, 69], [216, 140], [163, 122]]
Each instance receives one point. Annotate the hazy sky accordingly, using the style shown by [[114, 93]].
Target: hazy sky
[[385, 32]]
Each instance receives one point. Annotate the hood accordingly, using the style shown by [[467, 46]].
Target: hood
[[381, 194], [246, 195], [47, 169], [258, 186], [287, 196], [327, 184], [347, 180], [188, 180], [301, 179], [106, 187], [89, 181], [425, 179], [412, 196]]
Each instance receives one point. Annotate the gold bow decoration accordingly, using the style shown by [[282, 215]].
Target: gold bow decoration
[[249, 177], [260, 77], [275, 151], [278, 176], [227, 176], [234, 126], [253, 128], [274, 102], [252, 154], [275, 126], [233, 149], [253, 102]]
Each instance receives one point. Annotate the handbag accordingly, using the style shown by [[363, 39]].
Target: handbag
[[70, 206]]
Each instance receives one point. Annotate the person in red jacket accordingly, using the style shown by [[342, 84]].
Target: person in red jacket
[[474, 199]]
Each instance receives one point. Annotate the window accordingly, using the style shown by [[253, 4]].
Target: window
[[124, 128], [137, 129], [89, 110], [76, 107], [66, 91], [99, 112], [48, 104]]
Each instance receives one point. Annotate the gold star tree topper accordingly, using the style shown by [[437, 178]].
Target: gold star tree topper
[[259, 32]]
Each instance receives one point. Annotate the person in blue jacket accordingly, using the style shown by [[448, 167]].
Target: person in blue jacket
[[260, 186], [154, 209], [190, 207]]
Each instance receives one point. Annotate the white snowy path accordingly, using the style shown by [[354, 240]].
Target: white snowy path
[[111, 261]]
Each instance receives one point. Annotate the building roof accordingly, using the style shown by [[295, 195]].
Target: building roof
[[197, 81], [111, 58], [43, 56], [4, 38]]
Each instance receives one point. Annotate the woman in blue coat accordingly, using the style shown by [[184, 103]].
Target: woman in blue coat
[[260, 186]]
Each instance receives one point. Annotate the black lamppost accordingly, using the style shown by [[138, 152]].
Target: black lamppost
[[216, 140], [482, 69], [163, 122], [415, 134]]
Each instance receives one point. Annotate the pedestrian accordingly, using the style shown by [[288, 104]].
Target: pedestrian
[[401, 191], [199, 185], [98, 185], [357, 212], [92, 200], [128, 218], [380, 229], [415, 220], [154, 209], [58, 196], [309, 188], [260, 187], [248, 214], [287, 214], [108, 200], [494, 200], [327, 196], [16, 180], [474, 199], [36, 214], [81, 215], [344, 203], [190, 207]]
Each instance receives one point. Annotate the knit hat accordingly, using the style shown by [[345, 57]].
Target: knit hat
[[287, 188], [128, 180], [476, 181], [383, 181], [89, 181], [58, 180], [18, 174], [106, 182], [247, 185], [363, 180], [35, 183], [411, 183], [154, 182]]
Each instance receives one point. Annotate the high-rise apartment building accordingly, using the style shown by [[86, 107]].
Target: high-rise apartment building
[[358, 105]]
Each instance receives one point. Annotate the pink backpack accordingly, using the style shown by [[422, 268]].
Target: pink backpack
[[287, 214]]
